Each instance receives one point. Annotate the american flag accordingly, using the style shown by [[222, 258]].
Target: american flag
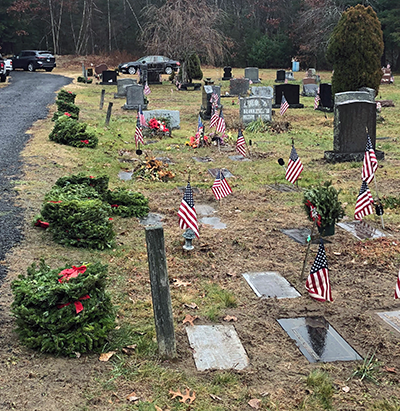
[[146, 89], [364, 202], [142, 119], [187, 212], [241, 144], [284, 105], [370, 163], [317, 100], [221, 187], [214, 99], [221, 123], [397, 290], [138, 133], [199, 125], [318, 284], [294, 168], [214, 118]]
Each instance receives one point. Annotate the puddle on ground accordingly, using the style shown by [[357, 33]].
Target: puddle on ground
[[151, 219], [317, 339], [214, 222], [125, 175]]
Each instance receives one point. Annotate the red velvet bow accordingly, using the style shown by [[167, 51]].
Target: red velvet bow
[[41, 224], [114, 205], [69, 273], [78, 304]]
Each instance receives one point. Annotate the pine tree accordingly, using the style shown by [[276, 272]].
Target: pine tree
[[355, 49]]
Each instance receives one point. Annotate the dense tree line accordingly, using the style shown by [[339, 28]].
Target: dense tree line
[[263, 33]]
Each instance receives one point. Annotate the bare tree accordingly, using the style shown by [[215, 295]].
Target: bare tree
[[182, 27]]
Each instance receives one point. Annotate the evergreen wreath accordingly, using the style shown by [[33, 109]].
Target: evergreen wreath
[[63, 311], [127, 203], [67, 96]]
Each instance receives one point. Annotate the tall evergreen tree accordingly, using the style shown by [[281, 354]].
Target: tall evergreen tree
[[355, 49]]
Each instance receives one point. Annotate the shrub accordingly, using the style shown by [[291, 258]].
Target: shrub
[[47, 307], [66, 96], [193, 68], [72, 133], [355, 49], [126, 203]]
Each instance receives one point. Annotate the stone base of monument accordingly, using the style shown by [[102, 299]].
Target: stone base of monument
[[134, 106], [337, 157], [190, 86], [299, 105]]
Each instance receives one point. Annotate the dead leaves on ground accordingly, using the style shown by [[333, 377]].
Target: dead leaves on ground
[[190, 319], [105, 356], [187, 394], [255, 403]]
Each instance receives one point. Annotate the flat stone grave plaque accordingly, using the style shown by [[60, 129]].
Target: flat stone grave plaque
[[151, 219], [300, 235], [216, 347], [194, 189], [239, 157], [151, 142], [317, 339], [203, 159], [284, 188], [214, 222], [270, 284], [392, 318], [225, 172], [384, 138], [125, 175], [361, 230], [165, 160], [205, 209]]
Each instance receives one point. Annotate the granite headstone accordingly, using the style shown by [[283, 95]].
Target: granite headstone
[[255, 107], [292, 95], [239, 86], [121, 87], [252, 74], [134, 97]]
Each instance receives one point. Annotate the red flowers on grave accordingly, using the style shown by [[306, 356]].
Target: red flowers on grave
[[312, 212], [85, 141], [67, 114], [66, 275], [157, 125]]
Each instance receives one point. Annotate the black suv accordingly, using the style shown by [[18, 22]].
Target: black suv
[[33, 59]]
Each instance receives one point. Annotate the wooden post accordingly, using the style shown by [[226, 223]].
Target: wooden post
[[160, 293], [103, 92], [108, 116]]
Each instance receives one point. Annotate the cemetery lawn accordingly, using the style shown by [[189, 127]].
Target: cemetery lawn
[[207, 283]]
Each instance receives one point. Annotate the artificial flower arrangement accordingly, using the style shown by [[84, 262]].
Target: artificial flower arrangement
[[158, 127]]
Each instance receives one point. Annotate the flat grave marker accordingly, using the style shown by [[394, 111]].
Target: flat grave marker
[[203, 159], [317, 340], [194, 189], [361, 230], [392, 318], [239, 157], [125, 175], [283, 188], [216, 347], [225, 172], [214, 222], [270, 284], [205, 209], [300, 235]]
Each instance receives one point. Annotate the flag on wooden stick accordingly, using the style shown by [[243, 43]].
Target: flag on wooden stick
[[187, 212], [138, 132], [141, 117], [397, 290], [146, 89], [364, 202], [318, 284], [284, 105], [241, 144], [294, 168], [221, 187], [370, 163]]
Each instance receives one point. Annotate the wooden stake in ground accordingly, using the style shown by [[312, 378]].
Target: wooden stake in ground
[[160, 292], [103, 92], [108, 116]]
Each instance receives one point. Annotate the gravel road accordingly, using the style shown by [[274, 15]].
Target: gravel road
[[22, 102]]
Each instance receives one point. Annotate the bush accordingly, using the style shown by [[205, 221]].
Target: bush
[[269, 52], [126, 203], [72, 133], [193, 68], [46, 308], [355, 49], [66, 96]]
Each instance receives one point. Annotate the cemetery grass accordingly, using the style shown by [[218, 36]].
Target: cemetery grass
[[208, 282]]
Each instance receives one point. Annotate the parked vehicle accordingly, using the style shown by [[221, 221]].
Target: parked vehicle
[[3, 72], [154, 63], [9, 66], [33, 60]]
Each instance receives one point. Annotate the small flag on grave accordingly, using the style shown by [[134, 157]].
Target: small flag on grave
[[200, 128], [318, 284], [397, 290], [187, 212], [146, 89], [221, 123], [317, 100], [241, 144], [294, 168], [284, 105], [370, 163], [142, 118], [214, 118], [138, 133], [221, 187], [364, 202]]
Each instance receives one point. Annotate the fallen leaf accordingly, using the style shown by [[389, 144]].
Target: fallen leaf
[[129, 349], [191, 305], [337, 253], [189, 319], [106, 356], [132, 397], [389, 369], [230, 318], [179, 283], [185, 395], [255, 403], [158, 408], [346, 388]]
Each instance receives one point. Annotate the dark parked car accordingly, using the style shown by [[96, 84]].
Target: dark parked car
[[34, 59], [154, 63]]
